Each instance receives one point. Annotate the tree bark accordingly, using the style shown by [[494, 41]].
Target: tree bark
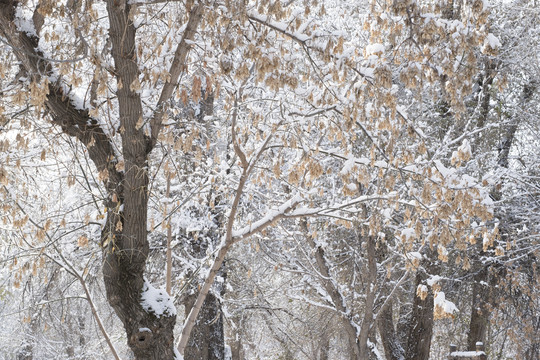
[[324, 346], [421, 325], [207, 338], [124, 237], [337, 299], [367, 321], [126, 230], [479, 310], [391, 344]]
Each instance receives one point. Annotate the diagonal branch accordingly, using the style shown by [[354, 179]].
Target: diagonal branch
[[74, 122], [270, 218], [177, 67]]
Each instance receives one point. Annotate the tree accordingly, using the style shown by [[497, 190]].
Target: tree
[[125, 174], [324, 122]]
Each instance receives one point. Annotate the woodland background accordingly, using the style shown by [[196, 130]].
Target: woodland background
[[306, 179]]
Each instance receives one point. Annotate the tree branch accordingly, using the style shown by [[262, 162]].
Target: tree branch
[[73, 121], [177, 67]]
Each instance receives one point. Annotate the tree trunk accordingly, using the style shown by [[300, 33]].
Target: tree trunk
[[391, 344], [421, 325], [337, 299], [207, 337], [126, 230], [479, 310], [124, 236], [324, 346], [237, 349], [371, 275]]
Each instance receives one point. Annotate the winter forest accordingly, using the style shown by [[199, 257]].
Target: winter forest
[[269, 179]]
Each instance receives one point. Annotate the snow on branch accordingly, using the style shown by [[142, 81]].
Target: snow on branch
[[268, 219], [278, 26], [157, 301]]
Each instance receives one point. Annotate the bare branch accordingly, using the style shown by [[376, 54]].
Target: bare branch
[[237, 150], [177, 67], [66, 265], [269, 219], [73, 121]]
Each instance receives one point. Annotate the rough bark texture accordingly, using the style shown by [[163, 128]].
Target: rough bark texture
[[371, 280], [421, 325], [324, 346], [237, 352], [207, 337], [479, 310], [124, 236], [390, 341]]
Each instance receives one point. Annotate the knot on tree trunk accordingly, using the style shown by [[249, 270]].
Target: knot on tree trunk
[[142, 339]]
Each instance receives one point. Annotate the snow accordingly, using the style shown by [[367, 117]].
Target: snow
[[177, 355], [374, 49], [268, 218], [493, 41], [348, 165], [228, 352], [447, 306], [375, 351], [465, 148], [281, 26], [415, 255], [157, 301], [408, 234], [465, 354], [23, 24], [433, 279]]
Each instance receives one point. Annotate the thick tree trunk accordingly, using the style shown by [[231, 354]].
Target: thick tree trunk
[[237, 349], [324, 346], [390, 341], [126, 230], [479, 310], [124, 237], [421, 325]]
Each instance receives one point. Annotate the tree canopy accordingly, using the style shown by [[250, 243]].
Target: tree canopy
[[269, 179]]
